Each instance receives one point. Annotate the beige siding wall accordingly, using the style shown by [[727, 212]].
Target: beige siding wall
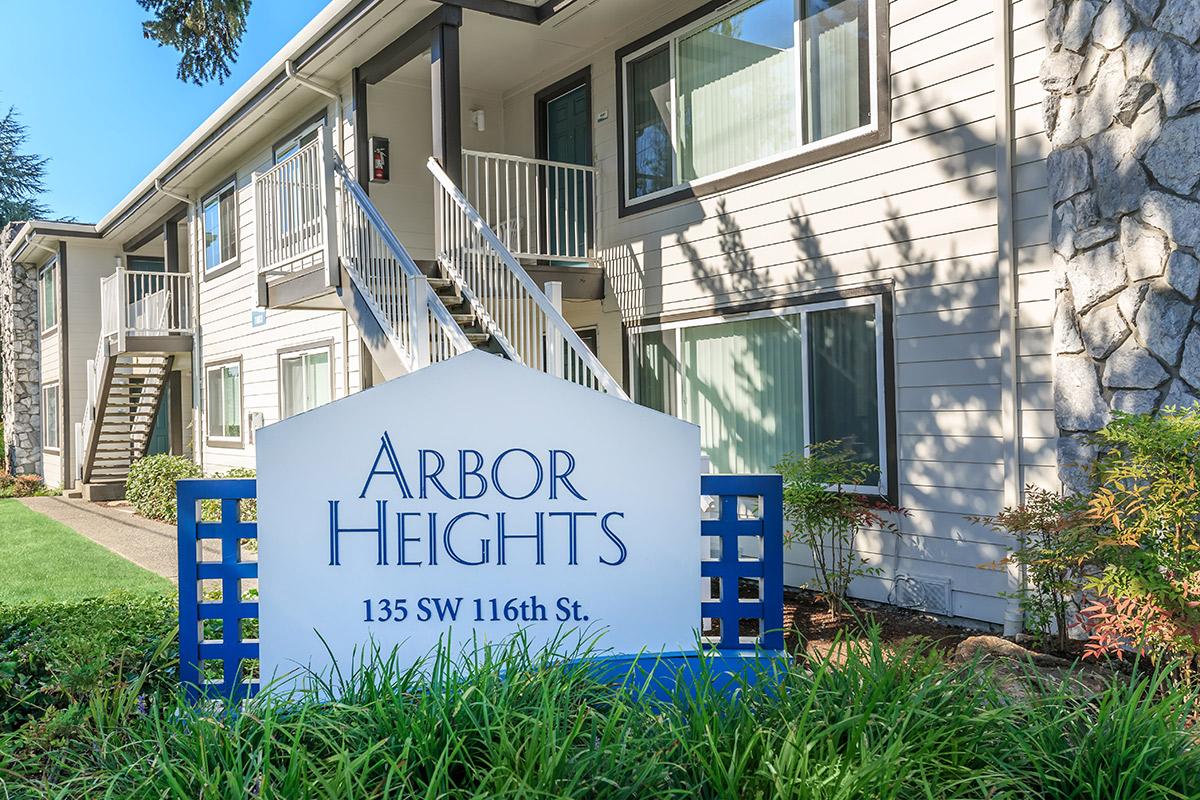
[[918, 214], [227, 302]]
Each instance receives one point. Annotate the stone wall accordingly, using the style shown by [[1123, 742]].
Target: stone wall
[[20, 358], [1123, 111]]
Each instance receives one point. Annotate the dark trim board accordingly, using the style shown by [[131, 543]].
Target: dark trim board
[[177, 213], [534, 15], [552, 92], [362, 162], [408, 45]]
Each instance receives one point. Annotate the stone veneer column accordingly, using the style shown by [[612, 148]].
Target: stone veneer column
[[1123, 114], [20, 356]]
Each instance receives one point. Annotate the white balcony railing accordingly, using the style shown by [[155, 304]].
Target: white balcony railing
[[139, 303], [544, 210], [293, 206]]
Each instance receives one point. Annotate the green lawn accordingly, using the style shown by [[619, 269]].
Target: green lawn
[[44, 560]]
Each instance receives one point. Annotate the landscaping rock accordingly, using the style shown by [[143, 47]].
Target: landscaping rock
[[1066, 129], [1179, 218], [1145, 249], [1181, 18], [1162, 322], [993, 647], [1183, 274], [1096, 275], [1145, 10], [1174, 159], [1132, 366], [1103, 330], [1078, 404], [1139, 49], [1135, 401], [1089, 237], [1100, 106], [1062, 236]]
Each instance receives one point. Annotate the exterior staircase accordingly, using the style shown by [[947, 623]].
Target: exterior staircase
[[124, 421], [476, 294]]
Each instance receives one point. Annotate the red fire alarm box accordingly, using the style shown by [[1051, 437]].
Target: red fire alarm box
[[381, 160]]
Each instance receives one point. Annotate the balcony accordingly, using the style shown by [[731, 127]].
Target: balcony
[[146, 311]]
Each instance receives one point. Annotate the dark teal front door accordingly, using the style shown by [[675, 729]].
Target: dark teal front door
[[160, 437], [568, 140]]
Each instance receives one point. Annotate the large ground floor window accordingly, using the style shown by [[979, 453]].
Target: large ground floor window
[[305, 379], [51, 418], [764, 384], [224, 403]]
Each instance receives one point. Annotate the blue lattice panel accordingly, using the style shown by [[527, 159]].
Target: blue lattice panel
[[747, 521], [199, 655]]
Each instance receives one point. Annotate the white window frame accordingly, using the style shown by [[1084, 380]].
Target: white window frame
[[215, 195], [50, 268], [294, 140], [803, 309], [52, 422], [672, 40], [210, 437], [301, 353]]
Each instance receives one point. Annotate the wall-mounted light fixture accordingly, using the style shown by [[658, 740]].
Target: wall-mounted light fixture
[[479, 118]]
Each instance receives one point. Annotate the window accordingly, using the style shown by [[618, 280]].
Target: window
[[305, 134], [744, 87], [48, 296], [765, 384], [306, 380], [224, 383], [51, 418], [220, 227]]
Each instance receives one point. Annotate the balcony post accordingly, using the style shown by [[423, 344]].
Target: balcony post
[[333, 275], [554, 340], [447, 101], [418, 319]]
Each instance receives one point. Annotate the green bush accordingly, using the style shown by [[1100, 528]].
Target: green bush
[[53, 656], [151, 484], [210, 510]]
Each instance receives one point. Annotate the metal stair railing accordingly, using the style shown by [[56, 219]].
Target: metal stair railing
[[506, 300]]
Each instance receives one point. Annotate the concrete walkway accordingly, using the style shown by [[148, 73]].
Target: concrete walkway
[[151, 545]]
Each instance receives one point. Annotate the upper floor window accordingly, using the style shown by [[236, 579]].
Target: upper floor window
[[306, 134], [764, 384], [220, 227], [48, 296], [743, 87]]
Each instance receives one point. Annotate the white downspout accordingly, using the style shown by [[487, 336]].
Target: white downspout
[[340, 147], [197, 345], [1006, 272]]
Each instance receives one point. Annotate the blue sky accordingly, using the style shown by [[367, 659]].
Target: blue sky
[[102, 102]]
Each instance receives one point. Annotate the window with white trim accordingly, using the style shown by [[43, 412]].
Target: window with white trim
[[224, 385], [219, 221], [764, 384], [305, 380], [48, 296], [51, 418], [750, 84], [290, 146]]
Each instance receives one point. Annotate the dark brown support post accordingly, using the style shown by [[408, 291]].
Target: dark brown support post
[[447, 100], [175, 411], [362, 158], [171, 247]]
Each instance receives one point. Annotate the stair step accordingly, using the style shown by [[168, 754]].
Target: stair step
[[464, 320], [478, 339], [441, 283]]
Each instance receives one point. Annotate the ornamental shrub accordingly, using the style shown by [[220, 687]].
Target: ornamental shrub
[[150, 486], [210, 510], [54, 655], [825, 513], [27, 486]]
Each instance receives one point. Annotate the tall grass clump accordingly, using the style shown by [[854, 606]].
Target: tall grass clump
[[508, 721]]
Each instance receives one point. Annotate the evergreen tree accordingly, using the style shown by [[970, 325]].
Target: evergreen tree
[[205, 32], [21, 174]]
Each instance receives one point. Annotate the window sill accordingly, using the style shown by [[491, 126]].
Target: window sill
[[51, 331], [222, 268], [723, 182], [225, 444], [54, 451]]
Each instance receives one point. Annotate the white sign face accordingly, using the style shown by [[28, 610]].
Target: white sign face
[[477, 498]]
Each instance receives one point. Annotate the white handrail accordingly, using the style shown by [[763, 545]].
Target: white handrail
[[504, 295], [391, 282], [289, 207], [539, 209]]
